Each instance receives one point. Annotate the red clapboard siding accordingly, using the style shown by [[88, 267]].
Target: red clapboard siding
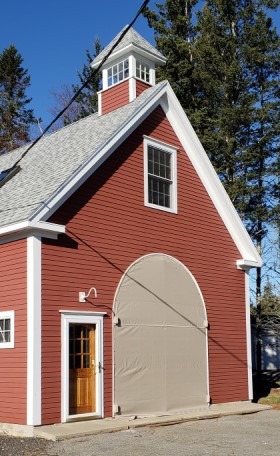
[[108, 228], [13, 361], [115, 97], [140, 87]]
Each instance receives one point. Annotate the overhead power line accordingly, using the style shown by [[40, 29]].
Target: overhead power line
[[82, 87]]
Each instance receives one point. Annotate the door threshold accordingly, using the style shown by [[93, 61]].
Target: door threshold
[[83, 418]]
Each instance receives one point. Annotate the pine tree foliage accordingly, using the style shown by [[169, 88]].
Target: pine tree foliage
[[269, 317], [15, 117], [174, 37], [262, 57], [223, 64], [87, 100]]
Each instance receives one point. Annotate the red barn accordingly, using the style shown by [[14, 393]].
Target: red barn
[[124, 266]]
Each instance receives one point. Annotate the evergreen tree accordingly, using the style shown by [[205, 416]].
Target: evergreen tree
[[233, 102], [237, 54], [86, 102], [175, 38], [15, 117], [87, 99], [269, 318]]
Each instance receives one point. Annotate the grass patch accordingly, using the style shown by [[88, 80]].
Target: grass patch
[[273, 398], [267, 389]]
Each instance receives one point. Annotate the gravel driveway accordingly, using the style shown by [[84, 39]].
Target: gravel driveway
[[256, 434]]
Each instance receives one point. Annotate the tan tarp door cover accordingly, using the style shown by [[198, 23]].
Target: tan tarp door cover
[[160, 340]]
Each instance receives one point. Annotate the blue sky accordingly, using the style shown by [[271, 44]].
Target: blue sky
[[52, 37]]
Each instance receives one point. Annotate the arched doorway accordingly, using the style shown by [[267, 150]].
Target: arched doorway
[[160, 339]]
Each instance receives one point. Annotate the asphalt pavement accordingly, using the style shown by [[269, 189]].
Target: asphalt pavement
[[256, 434]]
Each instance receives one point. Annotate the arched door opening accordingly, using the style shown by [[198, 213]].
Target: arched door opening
[[160, 339]]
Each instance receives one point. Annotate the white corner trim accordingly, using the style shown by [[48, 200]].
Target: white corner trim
[[132, 89], [248, 335], [45, 228], [99, 102], [33, 331]]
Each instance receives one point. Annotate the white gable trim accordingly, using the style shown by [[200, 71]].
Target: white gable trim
[[101, 155], [209, 178], [192, 146]]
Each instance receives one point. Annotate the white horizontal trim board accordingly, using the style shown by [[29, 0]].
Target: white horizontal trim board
[[46, 229]]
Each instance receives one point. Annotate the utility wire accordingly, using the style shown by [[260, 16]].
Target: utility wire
[[83, 86]]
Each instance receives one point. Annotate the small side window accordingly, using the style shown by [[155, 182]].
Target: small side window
[[7, 321], [142, 71], [160, 179]]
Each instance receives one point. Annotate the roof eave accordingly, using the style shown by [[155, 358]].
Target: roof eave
[[158, 59], [27, 227]]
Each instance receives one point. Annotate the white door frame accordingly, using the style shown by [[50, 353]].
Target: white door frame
[[94, 318]]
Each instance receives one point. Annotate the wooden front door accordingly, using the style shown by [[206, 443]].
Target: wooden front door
[[82, 365]]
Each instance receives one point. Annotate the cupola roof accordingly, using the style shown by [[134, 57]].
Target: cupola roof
[[132, 41]]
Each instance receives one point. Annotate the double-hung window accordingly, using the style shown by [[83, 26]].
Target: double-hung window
[[160, 175], [7, 329]]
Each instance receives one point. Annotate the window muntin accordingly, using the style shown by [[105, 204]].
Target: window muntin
[[160, 175], [142, 71], [7, 329], [118, 72]]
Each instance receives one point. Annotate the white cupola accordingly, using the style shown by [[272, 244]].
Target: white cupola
[[127, 72]]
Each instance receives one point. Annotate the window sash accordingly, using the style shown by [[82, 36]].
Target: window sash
[[118, 72], [159, 177], [142, 71], [159, 192]]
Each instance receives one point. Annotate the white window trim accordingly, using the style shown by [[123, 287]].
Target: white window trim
[[117, 63], [151, 66], [173, 151], [96, 318], [9, 315], [147, 71]]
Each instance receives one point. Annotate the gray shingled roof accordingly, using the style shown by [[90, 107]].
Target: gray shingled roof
[[57, 157], [131, 37]]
